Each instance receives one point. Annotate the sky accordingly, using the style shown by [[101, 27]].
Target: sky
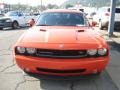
[[34, 2]]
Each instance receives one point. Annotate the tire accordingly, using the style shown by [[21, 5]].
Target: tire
[[15, 25], [1, 28], [100, 25]]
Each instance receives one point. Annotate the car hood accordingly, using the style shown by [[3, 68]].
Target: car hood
[[61, 35]]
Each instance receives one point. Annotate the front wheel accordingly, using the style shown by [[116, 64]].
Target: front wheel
[[15, 25]]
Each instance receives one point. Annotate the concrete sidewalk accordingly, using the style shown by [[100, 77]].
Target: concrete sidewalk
[[114, 38]]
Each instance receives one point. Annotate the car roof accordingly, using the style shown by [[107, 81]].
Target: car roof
[[63, 10]]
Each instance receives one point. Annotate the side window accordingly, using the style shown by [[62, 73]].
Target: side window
[[20, 14], [117, 10], [13, 14], [27, 14]]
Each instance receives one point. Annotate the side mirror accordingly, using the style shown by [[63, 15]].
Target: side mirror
[[31, 22]]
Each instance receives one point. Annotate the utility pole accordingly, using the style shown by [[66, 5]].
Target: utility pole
[[112, 18], [41, 5]]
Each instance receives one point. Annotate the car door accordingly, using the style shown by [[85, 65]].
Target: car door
[[21, 19], [27, 17]]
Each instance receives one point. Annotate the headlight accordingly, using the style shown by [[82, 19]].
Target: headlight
[[20, 50], [8, 20], [92, 52], [31, 50], [102, 51]]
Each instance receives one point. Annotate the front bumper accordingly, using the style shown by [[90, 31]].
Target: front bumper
[[61, 67], [5, 24]]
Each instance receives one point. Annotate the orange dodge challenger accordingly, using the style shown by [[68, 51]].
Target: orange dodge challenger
[[61, 43]]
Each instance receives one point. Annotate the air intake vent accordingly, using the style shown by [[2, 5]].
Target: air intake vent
[[43, 30], [61, 71]]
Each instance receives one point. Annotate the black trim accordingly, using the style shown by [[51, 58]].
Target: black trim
[[60, 71]]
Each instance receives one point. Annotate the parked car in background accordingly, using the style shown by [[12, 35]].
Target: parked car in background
[[90, 15], [61, 43], [102, 17], [36, 14], [15, 19], [31, 16], [1, 15]]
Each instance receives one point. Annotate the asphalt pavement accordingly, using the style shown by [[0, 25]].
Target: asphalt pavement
[[12, 78]]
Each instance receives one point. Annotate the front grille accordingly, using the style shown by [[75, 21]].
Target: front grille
[[61, 53], [2, 21]]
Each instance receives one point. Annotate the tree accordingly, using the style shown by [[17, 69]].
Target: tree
[[118, 3], [68, 6], [42, 8], [52, 6]]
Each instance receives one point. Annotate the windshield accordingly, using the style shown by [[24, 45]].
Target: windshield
[[12, 13], [61, 19]]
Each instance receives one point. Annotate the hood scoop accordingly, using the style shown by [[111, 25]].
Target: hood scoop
[[78, 33]]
